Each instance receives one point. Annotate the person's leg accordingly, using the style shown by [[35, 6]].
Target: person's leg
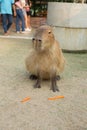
[[4, 22], [17, 20], [10, 20], [0, 19], [25, 18], [29, 25], [28, 20], [22, 20]]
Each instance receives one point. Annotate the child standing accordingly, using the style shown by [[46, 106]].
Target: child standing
[[26, 9], [19, 17]]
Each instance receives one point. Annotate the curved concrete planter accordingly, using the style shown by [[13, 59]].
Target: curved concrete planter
[[70, 21]]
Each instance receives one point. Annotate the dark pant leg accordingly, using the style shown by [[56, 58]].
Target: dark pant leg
[[7, 21], [10, 20], [21, 17], [4, 22], [17, 20], [22, 20]]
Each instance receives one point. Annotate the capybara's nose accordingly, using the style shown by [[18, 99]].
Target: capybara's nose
[[36, 42], [36, 39]]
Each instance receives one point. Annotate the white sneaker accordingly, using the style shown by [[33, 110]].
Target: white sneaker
[[23, 32], [17, 32], [28, 29]]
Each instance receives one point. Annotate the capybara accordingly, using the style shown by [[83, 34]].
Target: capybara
[[45, 59]]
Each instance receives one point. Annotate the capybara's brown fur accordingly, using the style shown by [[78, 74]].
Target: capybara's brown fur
[[46, 59]]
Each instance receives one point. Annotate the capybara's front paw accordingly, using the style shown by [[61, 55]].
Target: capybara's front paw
[[37, 85], [54, 88], [58, 77]]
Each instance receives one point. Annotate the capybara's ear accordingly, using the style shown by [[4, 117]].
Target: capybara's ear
[[52, 26]]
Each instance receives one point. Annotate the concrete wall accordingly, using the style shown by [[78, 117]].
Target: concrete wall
[[70, 21]]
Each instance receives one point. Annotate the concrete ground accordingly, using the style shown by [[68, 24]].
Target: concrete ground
[[38, 113]]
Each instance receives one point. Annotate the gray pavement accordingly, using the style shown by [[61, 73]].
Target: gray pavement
[[69, 113]]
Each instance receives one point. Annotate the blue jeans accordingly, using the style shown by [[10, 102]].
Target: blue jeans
[[20, 17], [7, 20]]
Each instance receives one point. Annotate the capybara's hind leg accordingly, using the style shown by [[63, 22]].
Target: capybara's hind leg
[[33, 77], [38, 82], [54, 86]]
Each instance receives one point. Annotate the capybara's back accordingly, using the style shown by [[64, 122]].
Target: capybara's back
[[45, 59]]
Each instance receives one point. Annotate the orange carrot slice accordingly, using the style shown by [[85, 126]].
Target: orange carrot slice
[[26, 99], [56, 97]]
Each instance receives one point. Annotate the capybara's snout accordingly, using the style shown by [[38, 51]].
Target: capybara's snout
[[36, 43], [36, 40]]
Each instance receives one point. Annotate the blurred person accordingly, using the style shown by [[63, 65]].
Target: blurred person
[[26, 11], [19, 17], [6, 12], [29, 3]]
